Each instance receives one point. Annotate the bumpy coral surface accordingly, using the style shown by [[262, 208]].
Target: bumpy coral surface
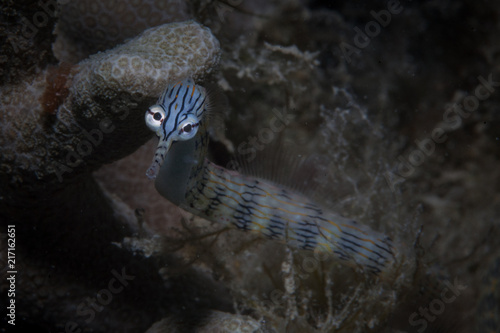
[[60, 124], [88, 26], [83, 116]]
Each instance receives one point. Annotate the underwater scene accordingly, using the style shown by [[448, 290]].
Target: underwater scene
[[303, 166]]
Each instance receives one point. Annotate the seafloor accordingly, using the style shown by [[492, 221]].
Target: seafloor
[[390, 107]]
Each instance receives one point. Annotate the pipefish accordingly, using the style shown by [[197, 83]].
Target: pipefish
[[186, 178]]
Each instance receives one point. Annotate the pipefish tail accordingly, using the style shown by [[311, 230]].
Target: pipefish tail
[[186, 178]]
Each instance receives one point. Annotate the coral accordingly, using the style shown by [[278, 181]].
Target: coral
[[95, 118], [26, 39], [58, 125], [90, 26]]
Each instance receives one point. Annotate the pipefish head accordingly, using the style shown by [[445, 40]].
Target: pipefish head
[[176, 117]]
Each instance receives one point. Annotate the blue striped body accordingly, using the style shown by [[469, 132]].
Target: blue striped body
[[195, 184]]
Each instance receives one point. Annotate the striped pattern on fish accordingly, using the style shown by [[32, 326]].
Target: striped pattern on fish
[[185, 177]]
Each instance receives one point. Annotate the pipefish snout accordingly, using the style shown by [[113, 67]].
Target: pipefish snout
[[186, 178]]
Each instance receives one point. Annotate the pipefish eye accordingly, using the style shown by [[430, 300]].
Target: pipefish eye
[[188, 128], [155, 116]]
